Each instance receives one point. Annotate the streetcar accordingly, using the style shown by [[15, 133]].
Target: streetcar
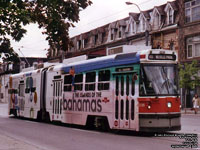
[[128, 91]]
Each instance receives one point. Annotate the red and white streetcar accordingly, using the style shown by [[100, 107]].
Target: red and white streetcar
[[129, 91]]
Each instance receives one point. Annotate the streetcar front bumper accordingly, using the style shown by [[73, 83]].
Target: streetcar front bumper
[[159, 122]]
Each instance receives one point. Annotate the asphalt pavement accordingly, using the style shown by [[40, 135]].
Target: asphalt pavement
[[10, 143]]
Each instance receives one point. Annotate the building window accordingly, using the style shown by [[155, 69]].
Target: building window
[[170, 13], [95, 39], [143, 24], [156, 21], [189, 51], [197, 49], [85, 43], [112, 36], [120, 34], [192, 11], [103, 37], [193, 47], [79, 44]]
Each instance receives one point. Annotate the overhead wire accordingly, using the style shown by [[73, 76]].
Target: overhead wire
[[111, 15]]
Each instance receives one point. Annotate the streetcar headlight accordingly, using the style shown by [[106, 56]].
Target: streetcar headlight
[[149, 106], [169, 104]]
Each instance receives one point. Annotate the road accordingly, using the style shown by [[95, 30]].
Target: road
[[42, 136]]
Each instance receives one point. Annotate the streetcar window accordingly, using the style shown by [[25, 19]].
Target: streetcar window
[[90, 87], [104, 77], [132, 109], [117, 86], [90, 76], [21, 90], [33, 89], [68, 79], [68, 88], [58, 84], [122, 110], [133, 85], [53, 105], [127, 109], [68, 83], [158, 79], [122, 85], [78, 78], [78, 82], [27, 89], [116, 109], [103, 86], [90, 81], [60, 106], [61, 88], [56, 107], [54, 89], [127, 85]]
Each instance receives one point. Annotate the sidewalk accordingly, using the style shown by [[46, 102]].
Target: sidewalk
[[189, 111]]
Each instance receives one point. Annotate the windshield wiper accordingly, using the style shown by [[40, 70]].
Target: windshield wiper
[[166, 80]]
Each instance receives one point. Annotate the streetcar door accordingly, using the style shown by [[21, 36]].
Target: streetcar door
[[125, 96], [57, 99], [21, 98]]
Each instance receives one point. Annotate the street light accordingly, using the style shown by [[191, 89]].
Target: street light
[[24, 56], [130, 3]]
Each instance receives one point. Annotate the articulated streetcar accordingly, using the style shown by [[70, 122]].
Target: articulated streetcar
[[132, 91]]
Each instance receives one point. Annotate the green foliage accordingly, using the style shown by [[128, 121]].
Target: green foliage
[[188, 74], [54, 16]]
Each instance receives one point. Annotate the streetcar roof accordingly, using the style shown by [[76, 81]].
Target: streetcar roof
[[112, 60], [103, 62]]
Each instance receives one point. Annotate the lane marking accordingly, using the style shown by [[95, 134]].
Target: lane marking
[[87, 131], [31, 122]]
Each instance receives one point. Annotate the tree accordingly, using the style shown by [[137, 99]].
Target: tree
[[54, 16], [189, 79]]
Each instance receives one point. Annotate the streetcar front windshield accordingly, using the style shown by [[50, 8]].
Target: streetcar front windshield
[[158, 80]]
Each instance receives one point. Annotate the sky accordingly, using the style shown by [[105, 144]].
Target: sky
[[101, 12]]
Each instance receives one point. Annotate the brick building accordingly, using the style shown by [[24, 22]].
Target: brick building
[[164, 32], [189, 37], [156, 27]]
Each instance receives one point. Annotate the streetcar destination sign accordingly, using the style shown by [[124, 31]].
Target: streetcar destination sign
[[162, 57]]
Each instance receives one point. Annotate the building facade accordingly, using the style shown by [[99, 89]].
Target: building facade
[[189, 38], [164, 23], [156, 27]]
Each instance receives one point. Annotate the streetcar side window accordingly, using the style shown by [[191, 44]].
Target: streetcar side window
[[27, 90], [90, 81], [103, 80], [21, 90], [68, 83], [33, 88], [78, 82], [133, 85]]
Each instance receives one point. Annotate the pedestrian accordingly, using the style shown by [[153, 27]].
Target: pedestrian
[[196, 102]]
